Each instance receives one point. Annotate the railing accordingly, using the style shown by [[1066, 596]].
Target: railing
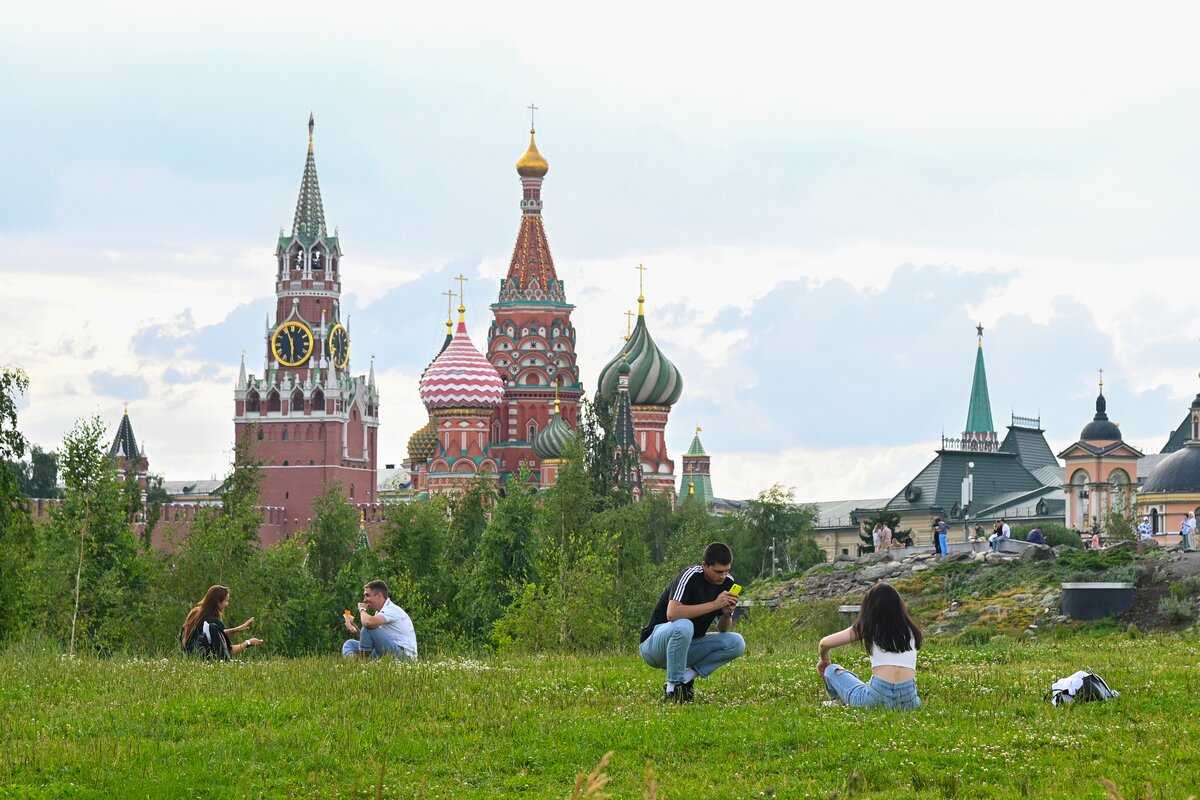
[[972, 445], [1026, 422]]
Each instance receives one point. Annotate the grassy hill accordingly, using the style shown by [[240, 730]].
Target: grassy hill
[[524, 727]]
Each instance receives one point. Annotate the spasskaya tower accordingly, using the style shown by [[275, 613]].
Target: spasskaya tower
[[309, 420]]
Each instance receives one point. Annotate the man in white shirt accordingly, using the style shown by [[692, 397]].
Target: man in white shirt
[[1187, 529], [385, 627]]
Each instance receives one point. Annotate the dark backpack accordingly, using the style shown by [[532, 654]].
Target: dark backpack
[[208, 641]]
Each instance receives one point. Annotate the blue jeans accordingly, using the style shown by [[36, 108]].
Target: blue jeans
[[941, 544], [844, 685], [374, 644], [671, 646]]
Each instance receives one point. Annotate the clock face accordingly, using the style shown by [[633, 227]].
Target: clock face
[[339, 346], [292, 343]]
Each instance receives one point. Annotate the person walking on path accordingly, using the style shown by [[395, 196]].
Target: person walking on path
[[888, 633], [677, 639], [204, 632], [384, 628]]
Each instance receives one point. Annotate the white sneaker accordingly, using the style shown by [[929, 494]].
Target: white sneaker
[[830, 703]]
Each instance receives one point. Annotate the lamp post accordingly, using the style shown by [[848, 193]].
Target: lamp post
[[968, 491]]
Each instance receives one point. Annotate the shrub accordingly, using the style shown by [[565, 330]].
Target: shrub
[[1191, 585], [1055, 534], [1175, 609]]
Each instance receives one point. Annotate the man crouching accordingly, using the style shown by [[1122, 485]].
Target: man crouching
[[677, 637]]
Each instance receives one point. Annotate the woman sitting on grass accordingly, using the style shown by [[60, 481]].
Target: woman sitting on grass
[[892, 638], [204, 632]]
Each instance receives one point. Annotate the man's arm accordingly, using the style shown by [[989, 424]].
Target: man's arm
[[369, 621], [677, 610]]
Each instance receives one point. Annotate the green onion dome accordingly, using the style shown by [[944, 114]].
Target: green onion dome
[[653, 379], [422, 444], [551, 440]]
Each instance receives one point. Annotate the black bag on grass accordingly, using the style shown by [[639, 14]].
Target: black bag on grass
[[1081, 687]]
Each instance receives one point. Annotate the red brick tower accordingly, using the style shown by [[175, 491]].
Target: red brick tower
[[310, 422], [531, 341]]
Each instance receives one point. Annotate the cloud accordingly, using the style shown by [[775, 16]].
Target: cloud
[[123, 387]]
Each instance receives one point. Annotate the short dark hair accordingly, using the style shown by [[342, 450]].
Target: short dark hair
[[717, 553], [378, 586]]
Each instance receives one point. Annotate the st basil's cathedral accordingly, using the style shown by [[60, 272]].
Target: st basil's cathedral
[[515, 407]]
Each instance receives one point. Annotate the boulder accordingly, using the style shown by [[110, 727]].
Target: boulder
[[875, 558], [1129, 544], [1037, 552], [996, 558], [880, 571], [959, 555], [844, 557]]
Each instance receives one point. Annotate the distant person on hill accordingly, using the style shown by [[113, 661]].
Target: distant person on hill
[[204, 632], [888, 633], [885, 537], [384, 628], [1035, 536], [877, 536], [1145, 531], [940, 530], [1188, 529], [677, 638]]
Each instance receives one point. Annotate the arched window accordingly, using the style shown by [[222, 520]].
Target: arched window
[[532, 429], [273, 401], [284, 435], [321, 433], [352, 490], [261, 434], [308, 434], [496, 431], [252, 401], [298, 401], [318, 401]]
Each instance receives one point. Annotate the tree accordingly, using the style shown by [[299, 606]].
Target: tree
[[16, 527], [504, 558], [108, 580], [332, 536], [774, 532], [601, 461]]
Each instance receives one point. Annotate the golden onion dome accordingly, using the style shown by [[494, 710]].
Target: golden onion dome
[[533, 164], [423, 443]]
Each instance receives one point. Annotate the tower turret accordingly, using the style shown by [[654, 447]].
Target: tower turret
[[531, 342], [980, 432]]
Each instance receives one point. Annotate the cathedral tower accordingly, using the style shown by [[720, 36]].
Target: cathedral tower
[[531, 341], [310, 422]]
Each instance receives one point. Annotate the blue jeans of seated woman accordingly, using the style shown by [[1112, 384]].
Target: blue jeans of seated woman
[[672, 647], [844, 685]]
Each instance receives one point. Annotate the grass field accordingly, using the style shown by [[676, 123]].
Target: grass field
[[524, 727]]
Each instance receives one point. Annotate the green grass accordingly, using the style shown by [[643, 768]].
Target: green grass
[[523, 727]]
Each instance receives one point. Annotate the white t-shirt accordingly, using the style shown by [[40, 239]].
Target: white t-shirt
[[1005, 531], [886, 658], [398, 627]]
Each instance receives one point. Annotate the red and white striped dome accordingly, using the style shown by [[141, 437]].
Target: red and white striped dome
[[460, 377]]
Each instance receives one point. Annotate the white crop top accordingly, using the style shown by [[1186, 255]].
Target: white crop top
[[886, 658]]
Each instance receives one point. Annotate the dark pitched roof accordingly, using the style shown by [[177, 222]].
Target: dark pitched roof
[[1030, 447], [1179, 436], [125, 443], [939, 484]]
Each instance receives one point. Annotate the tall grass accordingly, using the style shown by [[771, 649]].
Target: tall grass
[[527, 727]]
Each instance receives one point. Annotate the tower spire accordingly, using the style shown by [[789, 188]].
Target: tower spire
[[641, 291], [462, 309], [308, 225], [979, 413]]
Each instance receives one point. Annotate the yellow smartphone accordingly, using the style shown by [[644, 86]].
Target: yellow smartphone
[[736, 589]]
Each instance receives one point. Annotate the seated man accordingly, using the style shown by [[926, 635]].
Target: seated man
[[1036, 536], [386, 628], [677, 637]]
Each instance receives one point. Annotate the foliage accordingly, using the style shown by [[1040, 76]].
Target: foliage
[[774, 532], [602, 462], [37, 477], [332, 536], [1054, 534], [1120, 524], [1175, 609], [17, 543]]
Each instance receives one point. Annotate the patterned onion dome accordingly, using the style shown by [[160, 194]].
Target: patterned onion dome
[[533, 164], [423, 442], [460, 377], [653, 379], [550, 441]]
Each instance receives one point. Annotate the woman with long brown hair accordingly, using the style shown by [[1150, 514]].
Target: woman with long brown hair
[[888, 633], [204, 630]]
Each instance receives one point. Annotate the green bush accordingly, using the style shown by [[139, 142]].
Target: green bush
[[1175, 609], [1190, 585], [1055, 534]]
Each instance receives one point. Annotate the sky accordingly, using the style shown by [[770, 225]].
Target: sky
[[828, 199]]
